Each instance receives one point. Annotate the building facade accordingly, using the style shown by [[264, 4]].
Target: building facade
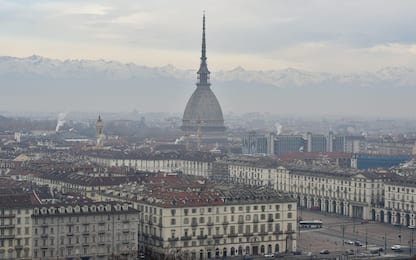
[[204, 222], [16, 225], [94, 231]]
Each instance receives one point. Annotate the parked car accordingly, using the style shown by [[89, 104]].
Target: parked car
[[396, 248], [349, 252], [349, 242], [324, 252], [269, 255], [297, 252], [358, 243], [375, 250]]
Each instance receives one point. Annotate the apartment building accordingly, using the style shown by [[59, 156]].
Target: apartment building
[[86, 231], [15, 225], [346, 192], [204, 221], [195, 163]]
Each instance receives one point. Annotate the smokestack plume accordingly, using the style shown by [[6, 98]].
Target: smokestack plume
[[61, 121]]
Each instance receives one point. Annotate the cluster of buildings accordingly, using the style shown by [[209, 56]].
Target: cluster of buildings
[[95, 201], [279, 144], [31, 228]]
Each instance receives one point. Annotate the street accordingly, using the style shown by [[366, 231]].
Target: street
[[337, 229]]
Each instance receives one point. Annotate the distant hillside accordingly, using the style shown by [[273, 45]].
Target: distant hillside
[[46, 84]]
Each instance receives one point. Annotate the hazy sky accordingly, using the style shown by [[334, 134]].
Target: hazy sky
[[336, 36]]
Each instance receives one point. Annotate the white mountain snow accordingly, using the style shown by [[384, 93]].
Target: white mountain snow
[[76, 69]]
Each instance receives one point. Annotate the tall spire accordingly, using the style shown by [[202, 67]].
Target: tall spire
[[203, 72]]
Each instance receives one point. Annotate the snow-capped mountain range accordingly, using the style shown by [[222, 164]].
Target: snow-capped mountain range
[[77, 69], [38, 83]]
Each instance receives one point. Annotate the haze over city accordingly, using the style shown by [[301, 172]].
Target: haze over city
[[284, 57], [185, 130]]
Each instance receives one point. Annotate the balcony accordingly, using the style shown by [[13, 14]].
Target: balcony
[[70, 234], [202, 237], [225, 222], [125, 231], [18, 247], [5, 237], [7, 225], [194, 224], [8, 216], [217, 236], [101, 232], [125, 242], [44, 236], [248, 234], [240, 221], [263, 233], [278, 232], [210, 223], [125, 221], [185, 238], [173, 239], [157, 238], [233, 235], [86, 233], [270, 220]]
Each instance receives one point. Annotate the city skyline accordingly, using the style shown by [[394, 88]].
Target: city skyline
[[327, 36]]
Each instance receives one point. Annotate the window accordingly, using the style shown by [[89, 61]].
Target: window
[[277, 227], [173, 221], [289, 215]]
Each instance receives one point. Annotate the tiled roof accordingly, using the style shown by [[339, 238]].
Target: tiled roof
[[21, 200]]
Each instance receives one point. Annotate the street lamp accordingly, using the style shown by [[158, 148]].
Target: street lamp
[[411, 241], [287, 238]]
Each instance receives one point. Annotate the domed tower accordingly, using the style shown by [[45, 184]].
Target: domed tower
[[99, 127], [202, 121]]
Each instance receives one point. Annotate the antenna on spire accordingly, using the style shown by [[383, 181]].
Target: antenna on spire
[[203, 72]]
